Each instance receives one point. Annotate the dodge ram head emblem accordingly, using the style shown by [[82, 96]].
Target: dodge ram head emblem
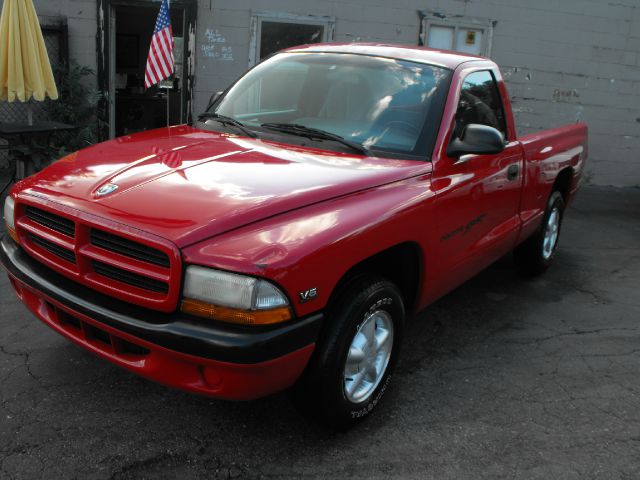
[[106, 189]]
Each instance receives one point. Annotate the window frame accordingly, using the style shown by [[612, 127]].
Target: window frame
[[496, 88], [257, 18], [429, 20]]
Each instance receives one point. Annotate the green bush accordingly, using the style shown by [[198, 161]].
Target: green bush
[[76, 105]]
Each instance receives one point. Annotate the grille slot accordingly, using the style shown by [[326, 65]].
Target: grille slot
[[98, 337], [96, 334], [129, 278], [129, 248], [68, 320], [58, 251], [128, 348], [50, 220]]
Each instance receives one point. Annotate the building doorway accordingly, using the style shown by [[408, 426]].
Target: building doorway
[[125, 34], [273, 31]]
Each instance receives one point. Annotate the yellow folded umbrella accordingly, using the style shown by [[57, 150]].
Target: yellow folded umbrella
[[25, 70]]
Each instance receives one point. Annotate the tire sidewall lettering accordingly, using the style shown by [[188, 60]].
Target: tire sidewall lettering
[[367, 409], [375, 307]]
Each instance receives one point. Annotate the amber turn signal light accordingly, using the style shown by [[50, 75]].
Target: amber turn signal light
[[232, 315], [12, 233]]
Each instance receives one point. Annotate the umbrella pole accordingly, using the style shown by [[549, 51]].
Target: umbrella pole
[[29, 114]]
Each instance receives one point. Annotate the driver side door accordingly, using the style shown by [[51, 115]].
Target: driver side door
[[477, 196]]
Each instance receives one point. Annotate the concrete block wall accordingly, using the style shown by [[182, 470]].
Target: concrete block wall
[[568, 61], [563, 60]]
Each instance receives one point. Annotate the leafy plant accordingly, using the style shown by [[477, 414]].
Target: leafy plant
[[77, 105]]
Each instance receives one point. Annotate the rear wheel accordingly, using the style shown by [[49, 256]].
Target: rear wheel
[[534, 255], [356, 355]]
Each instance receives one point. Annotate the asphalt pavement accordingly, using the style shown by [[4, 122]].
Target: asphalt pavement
[[503, 378]]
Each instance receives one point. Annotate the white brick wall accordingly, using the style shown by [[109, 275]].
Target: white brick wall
[[588, 47], [545, 48]]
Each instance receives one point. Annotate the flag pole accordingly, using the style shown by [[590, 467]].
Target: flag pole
[[160, 62], [168, 106]]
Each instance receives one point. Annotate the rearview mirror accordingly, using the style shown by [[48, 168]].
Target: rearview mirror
[[214, 98], [476, 139]]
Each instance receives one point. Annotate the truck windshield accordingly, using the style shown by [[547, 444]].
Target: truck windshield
[[386, 106]]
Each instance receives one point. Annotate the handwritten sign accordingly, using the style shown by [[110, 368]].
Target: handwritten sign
[[214, 46]]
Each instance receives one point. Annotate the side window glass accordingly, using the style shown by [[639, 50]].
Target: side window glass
[[480, 103]]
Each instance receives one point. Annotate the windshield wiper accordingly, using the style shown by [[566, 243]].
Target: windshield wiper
[[227, 121], [304, 131]]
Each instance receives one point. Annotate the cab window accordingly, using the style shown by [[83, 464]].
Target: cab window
[[278, 90], [480, 103]]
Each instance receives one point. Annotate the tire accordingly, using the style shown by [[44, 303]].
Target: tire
[[326, 390], [535, 255]]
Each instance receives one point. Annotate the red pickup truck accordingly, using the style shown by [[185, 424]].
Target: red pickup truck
[[281, 240]]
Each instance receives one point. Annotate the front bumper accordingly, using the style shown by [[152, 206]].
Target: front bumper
[[211, 358]]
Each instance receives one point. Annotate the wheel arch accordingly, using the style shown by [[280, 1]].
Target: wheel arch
[[563, 182], [401, 264]]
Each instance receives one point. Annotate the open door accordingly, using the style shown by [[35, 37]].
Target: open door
[[125, 28]]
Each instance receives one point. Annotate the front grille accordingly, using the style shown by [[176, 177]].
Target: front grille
[[129, 248], [129, 278], [138, 268], [61, 252], [51, 220]]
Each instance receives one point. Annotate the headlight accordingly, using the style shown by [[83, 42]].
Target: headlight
[[234, 298], [9, 217], [9, 205]]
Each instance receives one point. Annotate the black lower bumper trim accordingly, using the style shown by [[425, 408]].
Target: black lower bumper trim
[[175, 331]]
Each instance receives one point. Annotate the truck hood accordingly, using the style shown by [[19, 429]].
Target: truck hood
[[187, 184]]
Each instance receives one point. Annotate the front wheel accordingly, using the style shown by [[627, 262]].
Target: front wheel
[[534, 255], [356, 355]]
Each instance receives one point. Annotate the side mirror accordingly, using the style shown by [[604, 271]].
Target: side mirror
[[214, 98], [477, 139]]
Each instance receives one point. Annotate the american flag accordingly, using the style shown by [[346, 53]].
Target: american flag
[[160, 63]]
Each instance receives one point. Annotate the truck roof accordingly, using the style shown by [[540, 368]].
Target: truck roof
[[444, 58]]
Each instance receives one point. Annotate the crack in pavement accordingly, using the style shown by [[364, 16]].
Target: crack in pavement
[[26, 356], [530, 341]]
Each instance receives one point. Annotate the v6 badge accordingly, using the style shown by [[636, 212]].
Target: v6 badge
[[308, 295]]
